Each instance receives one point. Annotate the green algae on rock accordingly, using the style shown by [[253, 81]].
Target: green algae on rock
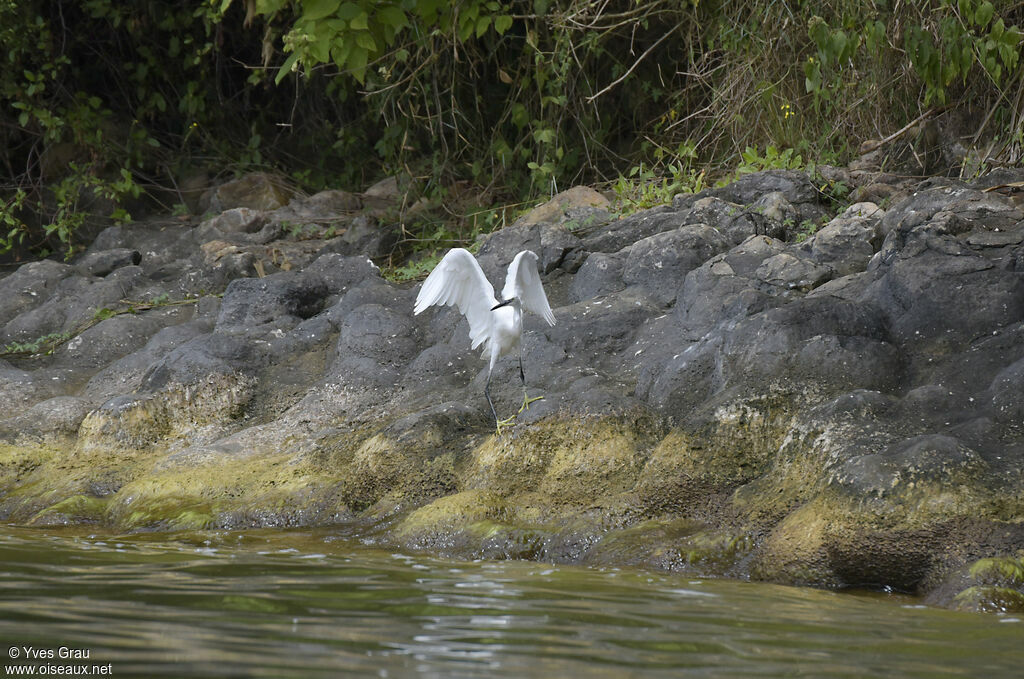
[[720, 398]]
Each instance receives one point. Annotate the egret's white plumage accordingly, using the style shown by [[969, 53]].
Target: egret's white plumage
[[458, 280]]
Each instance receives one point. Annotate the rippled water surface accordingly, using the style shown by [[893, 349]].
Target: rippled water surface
[[287, 604]]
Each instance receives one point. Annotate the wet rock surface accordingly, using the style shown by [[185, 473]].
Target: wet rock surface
[[725, 392]]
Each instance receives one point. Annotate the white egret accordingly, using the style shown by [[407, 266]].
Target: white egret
[[459, 280]]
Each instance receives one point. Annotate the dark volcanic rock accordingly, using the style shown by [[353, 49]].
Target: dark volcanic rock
[[728, 388], [29, 286], [659, 263], [102, 262], [600, 275]]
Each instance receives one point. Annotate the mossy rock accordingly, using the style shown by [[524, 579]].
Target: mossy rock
[[990, 599], [796, 550], [566, 460], [672, 544], [17, 463], [1003, 570], [168, 513], [226, 491], [993, 584], [450, 514], [77, 509], [130, 424], [469, 524], [393, 471], [35, 478], [479, 524]]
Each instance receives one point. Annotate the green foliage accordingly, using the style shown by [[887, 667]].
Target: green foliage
[[106, 99], [39, 346], [961, 34], [12, 228], [751, 160], [414, 269], [644, 188], [805, 229], [61, 208], [300, 230], [431, 235], [46, 344], [945, 42], [483, 89]]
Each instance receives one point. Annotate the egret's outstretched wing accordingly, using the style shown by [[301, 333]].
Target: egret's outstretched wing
[[459, 280], [523, 281]]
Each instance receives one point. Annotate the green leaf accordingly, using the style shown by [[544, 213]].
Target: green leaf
[[318, 9], [520, 117], [1008, 55], [360, 22], [949, 73], [466, 26], [818, 30], [340, 52], [357, 60], [502, 23], [966, 60], [366, 41], [544, 136], [393, 16], [838, 45], [286, 67], [984, 13], [998, 28], [482, 24], [320, 49], [348, 11], [812, 76]]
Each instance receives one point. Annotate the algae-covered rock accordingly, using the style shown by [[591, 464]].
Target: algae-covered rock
[[455, 523], [722, 395], [992, 584], [679, 545]]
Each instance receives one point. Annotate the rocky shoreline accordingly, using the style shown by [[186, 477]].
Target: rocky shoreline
[[723, 395]]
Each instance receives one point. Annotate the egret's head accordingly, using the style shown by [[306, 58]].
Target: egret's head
[[501, 304]]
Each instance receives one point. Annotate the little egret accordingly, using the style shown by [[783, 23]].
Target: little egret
[[459, 280]]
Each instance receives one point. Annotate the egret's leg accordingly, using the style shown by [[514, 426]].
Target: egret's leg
[[487, 393], [522, 376], [498, 424]]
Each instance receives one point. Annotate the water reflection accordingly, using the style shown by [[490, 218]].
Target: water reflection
[[276, 604]]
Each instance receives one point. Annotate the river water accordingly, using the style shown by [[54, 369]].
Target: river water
[[318, 604]]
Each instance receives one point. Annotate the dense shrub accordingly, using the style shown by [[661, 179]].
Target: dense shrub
[[522, 96]]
